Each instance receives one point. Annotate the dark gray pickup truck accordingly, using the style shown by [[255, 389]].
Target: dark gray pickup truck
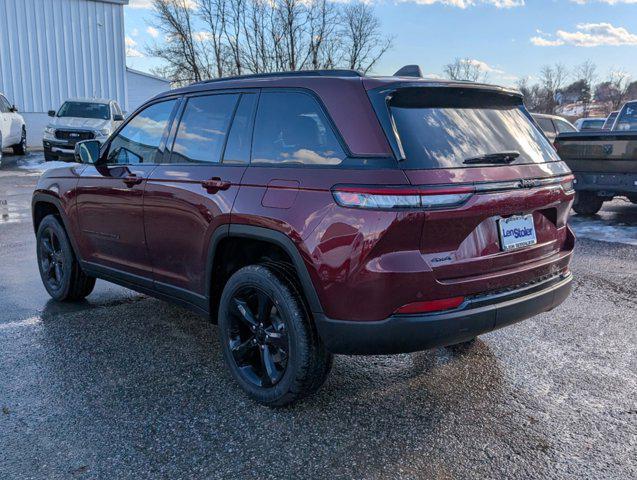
[[604, 163]]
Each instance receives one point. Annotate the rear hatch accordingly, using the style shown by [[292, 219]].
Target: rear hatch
[[511, 228]]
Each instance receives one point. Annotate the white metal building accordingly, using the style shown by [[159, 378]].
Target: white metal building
[[52, 50], [142, 86]]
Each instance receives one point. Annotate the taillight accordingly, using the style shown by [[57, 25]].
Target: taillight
[[389, 198], [568, 184], [430, 306]]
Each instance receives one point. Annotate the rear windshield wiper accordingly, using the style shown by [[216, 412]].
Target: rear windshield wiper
[[501, 157]]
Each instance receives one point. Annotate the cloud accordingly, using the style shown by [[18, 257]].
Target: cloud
[[587, 35], [134, 32], [153, 32], [131, 51], [470, 3]]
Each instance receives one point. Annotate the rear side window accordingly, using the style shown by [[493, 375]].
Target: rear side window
[[545, 124], [443, 129], [203, 128], [291, 128], [627, 120], [139, 140]]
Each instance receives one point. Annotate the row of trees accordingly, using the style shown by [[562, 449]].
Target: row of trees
[[205, 39], [556, 85]]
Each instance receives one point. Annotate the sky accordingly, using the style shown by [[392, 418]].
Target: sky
[[508, 39]]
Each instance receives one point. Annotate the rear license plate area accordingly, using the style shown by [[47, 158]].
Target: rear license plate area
[[517, 231]]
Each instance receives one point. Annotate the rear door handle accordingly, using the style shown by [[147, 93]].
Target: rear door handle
[[215, 184], [132, 180]]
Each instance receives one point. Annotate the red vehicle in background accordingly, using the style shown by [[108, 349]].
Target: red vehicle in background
[[318, 213]]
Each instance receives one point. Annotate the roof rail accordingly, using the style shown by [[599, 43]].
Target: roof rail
[[298, 73]]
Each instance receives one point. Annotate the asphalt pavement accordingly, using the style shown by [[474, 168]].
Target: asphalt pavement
[[126, 386]]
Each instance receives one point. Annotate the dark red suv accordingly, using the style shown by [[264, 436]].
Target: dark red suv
[[317, 213]]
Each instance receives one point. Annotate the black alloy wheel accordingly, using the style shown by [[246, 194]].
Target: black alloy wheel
[[258, 338], [268, 339], [52, 264], [60, 271]]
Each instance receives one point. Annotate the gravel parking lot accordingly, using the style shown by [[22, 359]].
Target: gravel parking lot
[[126, 386]]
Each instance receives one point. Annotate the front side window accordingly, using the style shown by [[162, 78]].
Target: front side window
[[203, 128], [291, 128], [139, 140], [445, 128], [85, 110]]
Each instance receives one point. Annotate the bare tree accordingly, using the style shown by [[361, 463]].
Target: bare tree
[[361, 37], [465, 69], [552, 79], [587, 74], [213, 14], [206, 38], [187, 60], [619, 81]]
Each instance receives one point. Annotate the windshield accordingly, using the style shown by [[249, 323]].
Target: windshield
[[627, 120], [466, 126], [85, 110]]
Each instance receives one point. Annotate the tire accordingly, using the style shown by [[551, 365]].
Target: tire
[[21, 148], [59, 269], [633, 199], [587, 203], [269, 342], [0, 147], [49, 158]]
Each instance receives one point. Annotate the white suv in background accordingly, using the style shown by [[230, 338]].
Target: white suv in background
[[13, 132], [77, 120]]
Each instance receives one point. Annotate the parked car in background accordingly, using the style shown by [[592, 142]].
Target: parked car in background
[[13, 131], [604, 163], [627, 118], [439, 215], [610, 120], [552, 125], [77, 120], [589, 124]]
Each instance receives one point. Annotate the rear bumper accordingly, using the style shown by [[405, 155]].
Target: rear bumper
[[410, 333], [606, 184]]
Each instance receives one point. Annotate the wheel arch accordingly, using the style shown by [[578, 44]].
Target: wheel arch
[[43, 204], [268, 236]]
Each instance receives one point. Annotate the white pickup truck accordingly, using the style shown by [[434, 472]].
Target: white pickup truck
[[13, 132], [77, 120]]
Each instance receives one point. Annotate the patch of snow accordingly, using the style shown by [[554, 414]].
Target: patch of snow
[[36, 162], [604, 231]]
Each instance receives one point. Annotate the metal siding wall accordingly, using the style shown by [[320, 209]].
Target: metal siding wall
[[52, 50]]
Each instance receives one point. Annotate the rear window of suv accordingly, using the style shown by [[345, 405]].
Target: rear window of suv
[[442, 127]]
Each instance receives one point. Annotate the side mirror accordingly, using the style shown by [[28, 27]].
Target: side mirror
[[14, 109], [118, 118], [51, 113], [87, 151]]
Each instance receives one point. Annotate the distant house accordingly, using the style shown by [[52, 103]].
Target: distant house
[[52, 50]]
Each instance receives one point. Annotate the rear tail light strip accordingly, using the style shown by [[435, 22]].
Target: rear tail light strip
[[434, 197], [390, 198]]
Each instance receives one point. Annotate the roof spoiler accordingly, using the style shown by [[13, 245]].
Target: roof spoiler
[[409, 71]]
